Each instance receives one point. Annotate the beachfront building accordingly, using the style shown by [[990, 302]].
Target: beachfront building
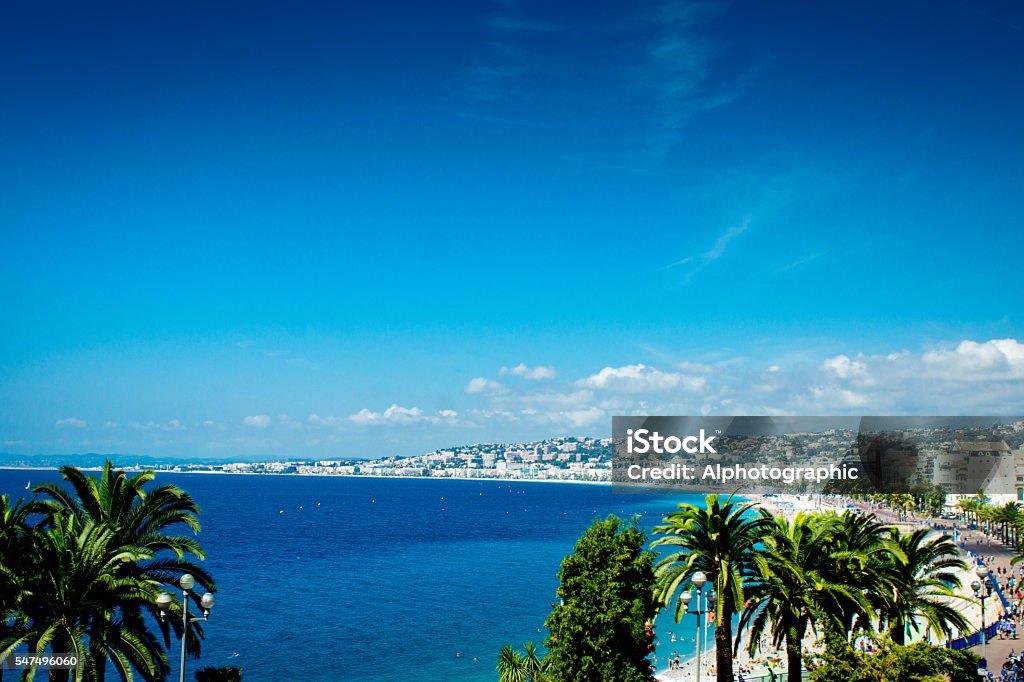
[[966, 468], [1018, 458]]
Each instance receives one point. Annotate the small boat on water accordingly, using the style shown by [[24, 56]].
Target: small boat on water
[[28, 485]]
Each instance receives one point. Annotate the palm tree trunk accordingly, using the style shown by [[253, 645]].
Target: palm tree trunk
[[794, 653], [60, 644], [723, 640], [97, 648], [898, 632]]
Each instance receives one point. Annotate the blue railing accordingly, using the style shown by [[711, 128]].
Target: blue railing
[[1002, 597], [973, 640], [990, 632], [780, 676]]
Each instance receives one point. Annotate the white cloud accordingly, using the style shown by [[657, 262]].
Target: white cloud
[[840, 397], [507, 416], [259, 421], [73, 422], [579, 418], [172, 425], [396, 414], [480, 385], [317, 420], [845, 368], [287, 422], [557, 399], [968, 377], [998, 359], [532, 373], [963, 377], [695, 367], [640, 378]]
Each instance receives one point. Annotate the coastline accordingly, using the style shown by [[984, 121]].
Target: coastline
[[303, 475]]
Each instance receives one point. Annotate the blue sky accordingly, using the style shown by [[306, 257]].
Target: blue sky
[[330, 229]]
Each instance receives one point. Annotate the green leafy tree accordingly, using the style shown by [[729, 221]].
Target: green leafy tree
[[601, 629], [720, 541], [894, 663]]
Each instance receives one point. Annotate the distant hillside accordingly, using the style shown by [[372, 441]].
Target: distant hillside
[[92, 459]]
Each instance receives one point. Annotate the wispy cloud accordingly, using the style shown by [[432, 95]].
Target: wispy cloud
[[537, 373], [656, 67], [508, 23], [73, 422], [259, 421], [171, 425], [799, 262], [678, 71], [700, 262], [508, 58]]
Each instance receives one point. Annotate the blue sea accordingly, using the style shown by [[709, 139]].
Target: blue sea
[[386, 579]]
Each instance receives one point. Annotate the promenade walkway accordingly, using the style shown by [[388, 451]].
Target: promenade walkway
[[977, 546]]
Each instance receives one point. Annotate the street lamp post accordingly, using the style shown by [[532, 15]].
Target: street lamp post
[[709, 604], [699, 580], [982, 590], [187, 582]]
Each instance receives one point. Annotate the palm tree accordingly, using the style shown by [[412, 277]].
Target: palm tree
[[720, 541], [859, 547], [967, 506], [15, 551], [520, 667], [16, 557], [919, 584], [219, 675], [1008, 517], [796, 585], [984, 514], [78, 571], [140, 518], [137, 516]]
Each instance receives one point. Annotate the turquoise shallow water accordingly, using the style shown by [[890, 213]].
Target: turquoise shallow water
[[370, 579]]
